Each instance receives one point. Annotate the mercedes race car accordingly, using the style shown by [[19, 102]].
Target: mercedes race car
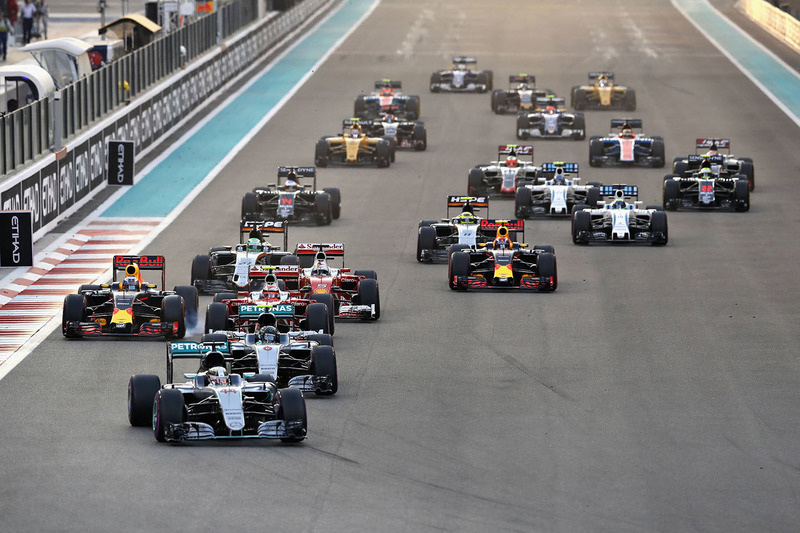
[[409, 134], [718, 153], [227, 268], [555, 192], [503, 263], [626, 147], [290, 200], [386, 98], [130, 307], [706, 190], [521, 95], [551, 121], [436, 240], [603, 93], [462, 77], [502, 177], [215, 404], [622, 220], [354, 147]]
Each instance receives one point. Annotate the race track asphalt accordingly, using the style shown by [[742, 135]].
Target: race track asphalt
[[656, 390]]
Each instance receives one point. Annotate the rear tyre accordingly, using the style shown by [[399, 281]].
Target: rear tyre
[[216, 317], [370, 274], [142, 390], [595, 152], [201, 268], [168, 408], [522, 202], [322, 204], [322, 153], [290, 260], [630, 100], [323, 339], [292, 409], [336, 201], [368, 294], [412, 108], [360, 106], [317, 318], [579, 99], [191, 302], [222, 296], [172, 312], [679, 168], [592, 197], [74, 311], [214, 337], [748, 170], [249, 204], [323, 363], [329, 301], [475, 182]]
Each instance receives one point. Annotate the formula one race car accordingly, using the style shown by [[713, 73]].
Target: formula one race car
[[521, 95], [386, 98], [620, 220], [725, 164], [502, 177], [462, 77], [290, 200], [705, 190], [215, 404], [404, 133], [226, 268], [504, 264], [131, 306], [298, 359], [550, 121], [626, 147], [555, 192], [603, 93], [354, 147], [352, 294], [436, 240]]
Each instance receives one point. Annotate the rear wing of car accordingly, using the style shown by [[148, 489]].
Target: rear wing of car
[[194, 350], [463, 202], [712, 144], [629, 192], [556, 101], [297, 173], [279, 271], [522, 78], [138, 262], [549, 170], [516, 149], [394, 84], [465, 60], [489, 227], [597, 74], [252, 227], [635, 123], [348, 122]]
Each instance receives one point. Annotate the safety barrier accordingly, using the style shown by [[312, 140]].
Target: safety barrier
[[776, 21], [55, 185]]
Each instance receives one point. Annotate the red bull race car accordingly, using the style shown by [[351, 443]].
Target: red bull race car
[[130, 307]]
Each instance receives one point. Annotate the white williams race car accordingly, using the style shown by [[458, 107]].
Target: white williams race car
[[555, 192], [620, 220]]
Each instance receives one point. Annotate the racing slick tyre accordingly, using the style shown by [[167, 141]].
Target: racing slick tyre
[[457, 247], [142, 390], [322, 153], [475, 182], [368, 294], [458, 267], [222, 296], [655, 207], [168, 409], [201, 268], [323, 363], [336, 201], [522, 202], [322, 206], [748, 170], [592, 197], [436, 79], [497, 95], [249, 204], [546, 267], [741, 195], [412, 108], [523, 183], [317, 317], [581, 222], [481, 79], [330, 302], [579, 124], [595, 151], [290, 260], [657, 152], [578, 207], [89, 288], [420, 137], [173, 308], [392, 147], [671, 194], [323, 339], [383, 154], [261, 378], [360, 107], [679, 168], [292, 408], [423, 223], [191, 302], [426, 240], [213, 337], [658, 224], [369, 274], [549, 248], [579, 99], [522, 124], [489, 79], [629, 102], [216, 317]]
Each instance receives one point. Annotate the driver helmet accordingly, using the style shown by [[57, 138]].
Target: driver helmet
[[389, 118], [602, 81], [619, 203], [268, 334], [502, 242], [386, 90], [355, 131], [467, 218], [320, 269], [511, 161], [705, 173], [254, 245], [270, 291], [130, 283], [217, 376], [550, 109], [559, 179], [291, 186], [712, 150], [626, 132]]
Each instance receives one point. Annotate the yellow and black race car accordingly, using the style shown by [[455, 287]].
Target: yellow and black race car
[[603, 93], [354, 147]]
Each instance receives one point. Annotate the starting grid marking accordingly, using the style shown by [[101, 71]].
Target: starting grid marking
[[32, 299]]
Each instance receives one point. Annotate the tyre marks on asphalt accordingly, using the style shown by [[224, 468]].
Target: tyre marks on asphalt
[[31, 300]]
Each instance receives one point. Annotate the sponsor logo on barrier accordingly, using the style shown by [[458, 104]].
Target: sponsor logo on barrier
[[16, 238]]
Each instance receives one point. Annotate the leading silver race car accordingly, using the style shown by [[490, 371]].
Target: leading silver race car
[[550, 120], [462, 77], [502, 177], [620, 220], [718, 153], [555, 192]]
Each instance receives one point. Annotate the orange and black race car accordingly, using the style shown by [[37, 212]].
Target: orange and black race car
[[603, 93], [130, 307], [504, 263]]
